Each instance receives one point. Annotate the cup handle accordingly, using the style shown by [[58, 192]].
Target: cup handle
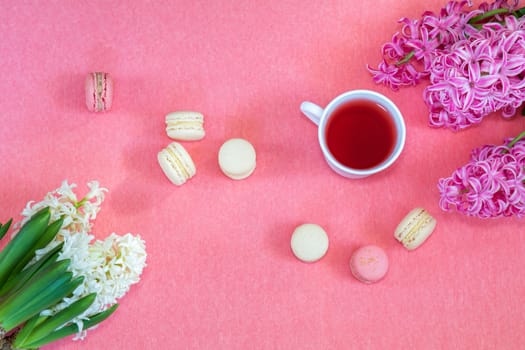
[[312, 111]]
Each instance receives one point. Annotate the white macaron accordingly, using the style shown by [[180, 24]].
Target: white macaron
[[185, 125], [415, 228], [237, 158], [176, 163], [309, 242]]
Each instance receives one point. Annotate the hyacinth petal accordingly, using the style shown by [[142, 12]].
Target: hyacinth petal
[[490, 185], [387, 74], [489, 57], [394, 50]]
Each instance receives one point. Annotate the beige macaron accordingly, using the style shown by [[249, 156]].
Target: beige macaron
[[176, 163], [185, 125], [237, 158], [309, 242], [415, 228]]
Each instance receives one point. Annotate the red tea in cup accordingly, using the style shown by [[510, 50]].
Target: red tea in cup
[[360, 134]]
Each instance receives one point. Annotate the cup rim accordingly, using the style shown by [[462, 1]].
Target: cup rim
[[393, 111]]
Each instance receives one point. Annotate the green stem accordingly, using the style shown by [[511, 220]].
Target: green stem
[[407, 58], [487, 14], [516, 139], [474, 21], [80, 203], [477, 26], [519, 12]]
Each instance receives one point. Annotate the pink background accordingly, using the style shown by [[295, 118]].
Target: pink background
[[220, 272]]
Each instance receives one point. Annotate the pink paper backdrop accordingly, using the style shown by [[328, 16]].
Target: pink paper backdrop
[[220, 271]]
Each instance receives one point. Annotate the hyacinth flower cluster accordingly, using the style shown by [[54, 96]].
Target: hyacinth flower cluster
[[54, 280], [491, 184], [473, 60]]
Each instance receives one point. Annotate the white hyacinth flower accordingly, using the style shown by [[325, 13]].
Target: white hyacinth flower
[[63, 201], [109, 266]]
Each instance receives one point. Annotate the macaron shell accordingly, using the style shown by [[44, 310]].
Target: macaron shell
[[309, 242], [176, 163], [240, 176], [99, 92], [174, 174], [237, 158], [415, 228], [369, 264], [187, 134], [185, 126]]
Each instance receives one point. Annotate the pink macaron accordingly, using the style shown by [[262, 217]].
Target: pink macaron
[[369, 264], [99, 92]]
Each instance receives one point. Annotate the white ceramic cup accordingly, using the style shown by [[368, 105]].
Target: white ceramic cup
[[321, 117]]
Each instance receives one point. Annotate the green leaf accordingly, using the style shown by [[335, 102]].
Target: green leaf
[[4, 228], [23, 240], [33, 289], [58, 290], [46, 237], [14, 283], [72, 328], [519, 13], [64, 316], [27, 329]]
